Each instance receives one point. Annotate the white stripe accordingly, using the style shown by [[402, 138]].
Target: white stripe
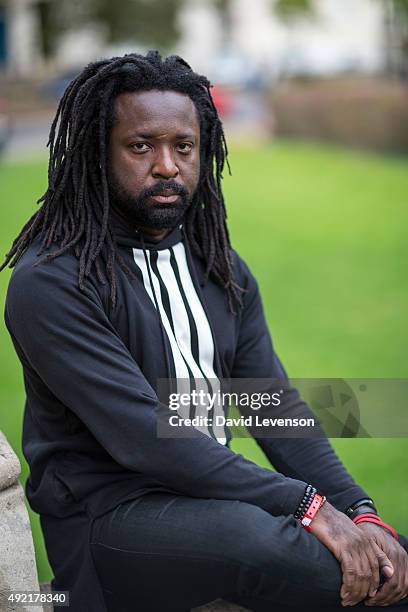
[[178, 311], [179, 364], [180, 341], [181, 323], [205, 339], [182, 374]]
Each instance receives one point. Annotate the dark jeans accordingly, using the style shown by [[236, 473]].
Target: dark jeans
[[169, 553]]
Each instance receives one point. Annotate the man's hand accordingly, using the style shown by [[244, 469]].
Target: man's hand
[[360, 557], [396, 585]]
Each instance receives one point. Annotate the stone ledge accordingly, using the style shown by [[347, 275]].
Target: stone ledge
[[10, 468], [18, 570]]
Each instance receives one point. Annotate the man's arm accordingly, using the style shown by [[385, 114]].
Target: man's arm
[[312, 460], [67, 338]]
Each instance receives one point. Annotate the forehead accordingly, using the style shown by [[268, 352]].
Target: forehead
[[155, 110]]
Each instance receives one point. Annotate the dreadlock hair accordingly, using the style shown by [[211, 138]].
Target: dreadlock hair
[[75, 207]]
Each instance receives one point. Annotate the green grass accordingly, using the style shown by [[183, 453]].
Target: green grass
[[323, 229]]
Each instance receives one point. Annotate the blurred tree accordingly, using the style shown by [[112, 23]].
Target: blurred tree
[[57, 17], [284, 8], [292, 8], [396, 37], [47, 31], [151, 22], [224, 9], [403, 4]]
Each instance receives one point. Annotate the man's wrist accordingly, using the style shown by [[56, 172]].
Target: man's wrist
[[376, 520], [357, 507], [362, 510], [316, 504], [365, 523], [367, 508]]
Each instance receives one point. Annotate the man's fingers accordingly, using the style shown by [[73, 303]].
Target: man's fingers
[[387, 594], [356, 577], [375, 572], [395, 588], [349, 587], [405, 576], [402, 571], [365, 577], [385, 564]]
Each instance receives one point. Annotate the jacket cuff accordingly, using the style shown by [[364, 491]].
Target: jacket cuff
[[295, 494]]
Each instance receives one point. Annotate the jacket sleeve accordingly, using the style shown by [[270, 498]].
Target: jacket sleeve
[[311, 459], [65, 335]]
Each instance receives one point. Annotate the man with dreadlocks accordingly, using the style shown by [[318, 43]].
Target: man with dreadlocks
[[125, 276]]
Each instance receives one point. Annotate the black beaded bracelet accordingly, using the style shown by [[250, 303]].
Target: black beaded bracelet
[[305, 502]]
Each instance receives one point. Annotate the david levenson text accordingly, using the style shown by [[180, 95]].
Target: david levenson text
[[251, 421]]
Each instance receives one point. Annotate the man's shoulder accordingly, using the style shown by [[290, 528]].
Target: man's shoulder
[[243, 274], [33, 265], [48, 292], [34, 279]]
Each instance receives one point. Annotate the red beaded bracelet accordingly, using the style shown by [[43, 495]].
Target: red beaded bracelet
[[317, 502], [368, 517]]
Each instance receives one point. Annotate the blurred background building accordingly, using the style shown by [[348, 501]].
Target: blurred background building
[[288, 67], [280, 37]]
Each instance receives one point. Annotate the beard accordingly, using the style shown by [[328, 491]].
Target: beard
[[140, 211]]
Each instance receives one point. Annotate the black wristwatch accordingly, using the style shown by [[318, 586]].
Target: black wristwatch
[[361, 506]]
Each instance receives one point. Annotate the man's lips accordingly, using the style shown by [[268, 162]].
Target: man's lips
[[165, 199]]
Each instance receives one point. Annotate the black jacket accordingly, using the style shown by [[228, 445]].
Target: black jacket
[[90, 374]]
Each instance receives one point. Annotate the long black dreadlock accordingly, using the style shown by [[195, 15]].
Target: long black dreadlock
[[75, 207]]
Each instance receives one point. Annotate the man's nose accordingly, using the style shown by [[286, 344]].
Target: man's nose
[[164, 165]]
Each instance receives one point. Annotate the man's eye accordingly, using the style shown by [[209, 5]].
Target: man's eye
[[140, 147], [185, 147]]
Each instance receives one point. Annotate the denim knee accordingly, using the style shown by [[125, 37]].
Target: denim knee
[[278, 546], [254, 537]]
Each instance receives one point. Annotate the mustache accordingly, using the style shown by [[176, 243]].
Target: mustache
[[162, 186]]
